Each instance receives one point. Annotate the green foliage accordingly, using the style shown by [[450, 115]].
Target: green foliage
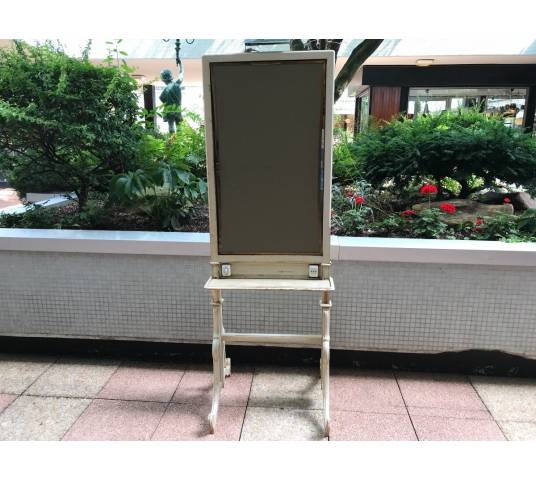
[[346, 168], [35, 216], [164, 192], [499, 227], [91, 215], [354, 221], [184, 149], [459, 151], [339, 200], [393, 225], [527, 221], [65, 124], [171, 177], [428, 224], [450, 185], [25, 177], [348, 216]]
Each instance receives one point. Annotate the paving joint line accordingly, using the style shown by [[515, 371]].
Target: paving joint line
[[40, 375], [78, 397], [247, 404], [487, 409], [169, 402], [110, 377], [91, 400], [18, 395], [405, 405], [159, 420]]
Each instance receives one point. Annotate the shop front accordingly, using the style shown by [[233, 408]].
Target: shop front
[[508, 90]]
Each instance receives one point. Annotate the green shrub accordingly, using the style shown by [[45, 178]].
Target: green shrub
[[346, 168], [91, 216], [354, 221], [351, 213], [35, 216], [171, 177], [527, 222], [26, 178], [184, 149], [164, 193], [65, 123], [499, 227], [429, 224], [463, 148]]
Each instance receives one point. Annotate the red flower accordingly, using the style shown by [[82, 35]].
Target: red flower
[[359, 200], [408, 213], [479, 221], [507, 200], [428, 189], [448, 208]]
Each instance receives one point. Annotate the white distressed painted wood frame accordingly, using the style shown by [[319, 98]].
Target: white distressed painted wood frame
[[295, 264], [310, 285], [221, 364]]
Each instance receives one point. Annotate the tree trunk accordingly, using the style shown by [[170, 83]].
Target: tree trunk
[[82, 195], [358, 56]]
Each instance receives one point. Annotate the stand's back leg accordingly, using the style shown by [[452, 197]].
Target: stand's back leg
[[324, 361]]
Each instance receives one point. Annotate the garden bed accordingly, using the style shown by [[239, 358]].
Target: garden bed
[[351, 216]]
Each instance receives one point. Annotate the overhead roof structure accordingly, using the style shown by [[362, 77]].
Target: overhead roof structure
[[455, 45], [150, 56]]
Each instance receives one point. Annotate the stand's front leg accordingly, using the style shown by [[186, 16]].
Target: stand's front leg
[[217, 357], [324, 360]]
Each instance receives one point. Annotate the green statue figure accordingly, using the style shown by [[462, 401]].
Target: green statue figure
[[172, 97]]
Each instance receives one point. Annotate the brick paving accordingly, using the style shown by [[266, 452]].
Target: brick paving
[[53, 398]]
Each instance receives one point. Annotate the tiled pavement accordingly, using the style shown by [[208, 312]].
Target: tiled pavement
[[48, 398]]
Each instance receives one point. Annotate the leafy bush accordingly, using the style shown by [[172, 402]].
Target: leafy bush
[[351, 213], [499, 227], [346, 167], [183, 149], [460, 151], [92, 215], [429, 224], [426, 224], [65, 124], [527, 221], [35, 216], [355, 219], [171, 177], [164, 193]]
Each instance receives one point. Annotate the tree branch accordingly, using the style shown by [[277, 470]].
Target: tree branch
[[358, 56], [334, 44], [296, 44]]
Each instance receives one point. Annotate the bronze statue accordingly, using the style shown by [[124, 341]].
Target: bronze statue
[[171, 97]]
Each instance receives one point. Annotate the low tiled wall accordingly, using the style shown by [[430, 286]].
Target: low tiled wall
[[418, 296]]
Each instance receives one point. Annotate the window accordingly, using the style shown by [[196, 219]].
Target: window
[[364, 111], [509, 103]]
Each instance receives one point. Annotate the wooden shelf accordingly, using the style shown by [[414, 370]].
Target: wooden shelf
[[268, 284]]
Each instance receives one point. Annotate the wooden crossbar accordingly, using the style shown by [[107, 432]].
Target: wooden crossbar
[[273, 339]]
